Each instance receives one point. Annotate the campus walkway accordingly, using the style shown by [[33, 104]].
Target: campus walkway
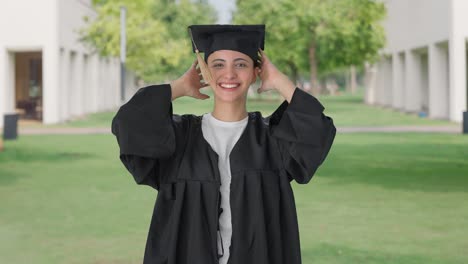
[[359, 129]]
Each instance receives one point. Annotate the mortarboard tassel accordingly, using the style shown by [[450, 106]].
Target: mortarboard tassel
[[204, 68], [201, 63]]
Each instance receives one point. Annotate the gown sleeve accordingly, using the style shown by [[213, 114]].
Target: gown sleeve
[[303, 133], [145, 133]]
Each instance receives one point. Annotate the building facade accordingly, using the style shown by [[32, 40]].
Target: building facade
[[46, 73], [423, 68]]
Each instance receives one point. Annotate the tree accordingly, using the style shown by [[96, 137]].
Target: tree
[[282, 39], [177, 16], [158, 46], [327, 34]]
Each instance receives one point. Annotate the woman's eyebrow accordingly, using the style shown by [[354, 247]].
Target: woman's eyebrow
[[222, 60], [218, 60], [238, 59]]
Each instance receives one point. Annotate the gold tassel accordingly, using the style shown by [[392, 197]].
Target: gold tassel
[[206, 74]]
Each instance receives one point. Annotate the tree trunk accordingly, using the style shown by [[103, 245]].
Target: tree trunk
[[331, 85], [314, 84], [353, 80], [348, 81], [294, 72]]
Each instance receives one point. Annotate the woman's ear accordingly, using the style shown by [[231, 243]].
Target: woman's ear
[[257, 71]]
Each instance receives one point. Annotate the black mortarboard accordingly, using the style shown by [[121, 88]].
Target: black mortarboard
[[243, 38]]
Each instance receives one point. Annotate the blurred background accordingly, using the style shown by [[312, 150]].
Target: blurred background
[[391, 73]]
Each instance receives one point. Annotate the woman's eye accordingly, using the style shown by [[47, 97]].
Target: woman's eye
[[217, 65], [241, 65]]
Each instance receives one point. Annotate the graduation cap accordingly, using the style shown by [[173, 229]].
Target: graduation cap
[[247, 39]]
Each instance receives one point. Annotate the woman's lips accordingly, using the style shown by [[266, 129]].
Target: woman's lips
[[229, 85]]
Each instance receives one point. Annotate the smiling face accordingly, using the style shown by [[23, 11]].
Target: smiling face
[[233, 72]]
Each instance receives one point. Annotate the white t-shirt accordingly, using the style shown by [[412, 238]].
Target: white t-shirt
[[222, 136]]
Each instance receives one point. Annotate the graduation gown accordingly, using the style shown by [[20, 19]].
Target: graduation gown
[[169, 153]]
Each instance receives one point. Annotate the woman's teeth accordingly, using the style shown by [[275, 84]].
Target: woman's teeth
[[228, 86]]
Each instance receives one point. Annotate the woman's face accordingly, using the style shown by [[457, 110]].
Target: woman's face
[[233, 72]]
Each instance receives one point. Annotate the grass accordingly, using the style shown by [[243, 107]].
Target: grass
[[379, 198], [346, 110], [349, 110]]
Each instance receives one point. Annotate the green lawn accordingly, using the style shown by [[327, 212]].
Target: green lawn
[[346, 110], [349, 110], [379, 198]]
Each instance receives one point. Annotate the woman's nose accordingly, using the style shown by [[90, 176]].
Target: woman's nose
[[230, 72]]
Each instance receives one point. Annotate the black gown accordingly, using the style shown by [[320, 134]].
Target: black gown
[[169, 153]]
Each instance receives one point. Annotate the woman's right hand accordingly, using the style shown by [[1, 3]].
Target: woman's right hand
[[189, 84]]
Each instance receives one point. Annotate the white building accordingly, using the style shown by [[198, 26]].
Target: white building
[[424, 65], [46, 74]]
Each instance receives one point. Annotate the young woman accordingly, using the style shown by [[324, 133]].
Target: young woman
[[223, 178]]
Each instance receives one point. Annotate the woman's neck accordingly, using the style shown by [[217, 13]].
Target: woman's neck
[[229, 112]]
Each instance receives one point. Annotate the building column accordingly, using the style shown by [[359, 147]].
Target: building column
[[370, 83], [113, 87], [86, 92], [64, 85], [398, 81], [108, 84], [116, 83], [51, 78], [387, 88], [7, 83], [438, 82], [93, 82], [3, 83], [51, 84], [72, 84], [457, 62], [103, 98], [457, 75], [78, 84], [131, 87], [424, 81], [380, 82], [104, 85], [412, 86]]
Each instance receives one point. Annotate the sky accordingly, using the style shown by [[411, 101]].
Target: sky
[[224, 9]]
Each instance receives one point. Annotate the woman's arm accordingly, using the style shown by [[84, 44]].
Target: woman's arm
[[145, 129], [303, 133], [273, 79], [145, 133], [189, 84]]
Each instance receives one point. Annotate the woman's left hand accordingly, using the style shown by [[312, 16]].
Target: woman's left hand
[[273, 79]]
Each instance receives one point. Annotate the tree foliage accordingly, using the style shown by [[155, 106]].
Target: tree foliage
[[318, 36], [283, 40], [158, 46]]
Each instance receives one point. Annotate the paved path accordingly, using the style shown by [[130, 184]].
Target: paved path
[[363, 129], [390, 129], [63, 130]]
